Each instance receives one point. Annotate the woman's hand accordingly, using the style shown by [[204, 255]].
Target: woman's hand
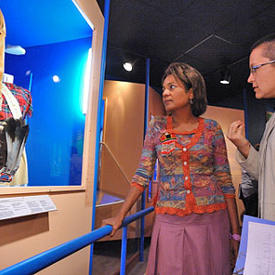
[[115, 222]]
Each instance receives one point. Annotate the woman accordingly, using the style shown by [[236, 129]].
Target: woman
[[196, 198]]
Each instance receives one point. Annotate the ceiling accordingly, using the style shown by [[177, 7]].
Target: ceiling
[[208, 34], [32, 23]]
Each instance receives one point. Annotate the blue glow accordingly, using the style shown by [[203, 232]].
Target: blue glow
[[43, 22], [86, 87], [55, 143]]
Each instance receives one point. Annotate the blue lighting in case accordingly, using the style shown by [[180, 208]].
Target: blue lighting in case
[[57, 124], [86, 87]]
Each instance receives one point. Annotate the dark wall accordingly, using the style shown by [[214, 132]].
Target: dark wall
[[256, 117], [255, 112]]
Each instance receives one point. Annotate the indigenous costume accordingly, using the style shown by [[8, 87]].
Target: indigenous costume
[[15, 105]]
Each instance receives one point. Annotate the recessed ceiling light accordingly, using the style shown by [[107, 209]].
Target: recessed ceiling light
[[224, 81], [16, 50], [128, 66], [56, 78]]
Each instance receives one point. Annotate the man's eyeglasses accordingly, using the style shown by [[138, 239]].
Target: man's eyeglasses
[[253, 69]]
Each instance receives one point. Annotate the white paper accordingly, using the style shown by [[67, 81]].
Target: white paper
[[260, 256], [23, 206]]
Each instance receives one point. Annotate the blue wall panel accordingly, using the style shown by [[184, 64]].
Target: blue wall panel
[[55, 143]]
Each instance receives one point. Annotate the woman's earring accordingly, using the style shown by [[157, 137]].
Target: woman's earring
[[191, 101]]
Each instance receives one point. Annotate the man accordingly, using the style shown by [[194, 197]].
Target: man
[[260, 165]]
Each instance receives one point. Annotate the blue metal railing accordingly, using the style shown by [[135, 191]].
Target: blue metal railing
[[99, 117], [143, 197], [125, 222], [53, 255]]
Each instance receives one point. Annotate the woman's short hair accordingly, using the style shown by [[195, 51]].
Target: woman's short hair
[[190, 78], [268, 42]]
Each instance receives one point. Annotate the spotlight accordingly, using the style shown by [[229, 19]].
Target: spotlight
[[225, 77], [15, 49], [128, 66], [56, 78]]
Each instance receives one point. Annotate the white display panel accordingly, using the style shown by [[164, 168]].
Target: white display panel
[[24, 206]]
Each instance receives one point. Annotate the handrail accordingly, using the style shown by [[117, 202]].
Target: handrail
[[137, 215], [51, 256], [143, 197], [125, 222], [116, 161]]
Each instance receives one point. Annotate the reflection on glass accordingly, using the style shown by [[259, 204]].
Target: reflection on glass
[[87, 82], [53, 69]]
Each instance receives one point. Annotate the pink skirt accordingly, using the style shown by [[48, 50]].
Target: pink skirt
[[190, 245]]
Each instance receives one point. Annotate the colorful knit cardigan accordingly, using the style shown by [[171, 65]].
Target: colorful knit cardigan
[[194, 173]]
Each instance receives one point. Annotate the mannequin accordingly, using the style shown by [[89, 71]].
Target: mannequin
[[15, 105]]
